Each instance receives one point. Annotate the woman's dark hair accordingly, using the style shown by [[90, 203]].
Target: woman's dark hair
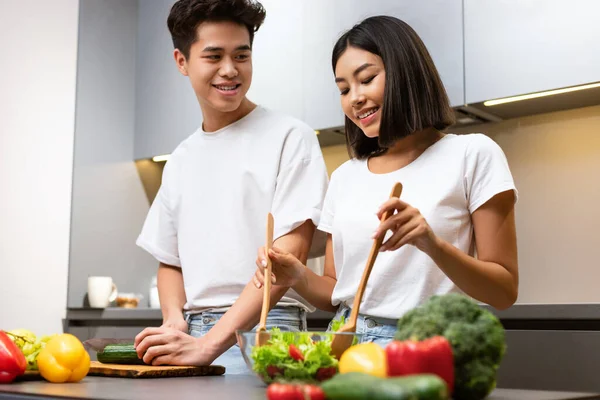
[[186, 15], [414, 98]]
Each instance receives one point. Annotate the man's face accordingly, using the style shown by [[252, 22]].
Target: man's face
[[219, 65]]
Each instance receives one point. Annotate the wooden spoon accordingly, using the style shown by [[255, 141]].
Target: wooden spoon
[[341, 343], [261, 333]]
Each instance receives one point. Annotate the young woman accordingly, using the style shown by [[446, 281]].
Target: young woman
[[458, 193]]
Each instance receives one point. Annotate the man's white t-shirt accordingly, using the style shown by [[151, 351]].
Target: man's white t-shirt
[[209, 216], [447, 183]]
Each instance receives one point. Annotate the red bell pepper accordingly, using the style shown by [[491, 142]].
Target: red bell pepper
[[433, 355], [12, 360]]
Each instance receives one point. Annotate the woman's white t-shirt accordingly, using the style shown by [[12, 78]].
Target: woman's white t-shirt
[[447, 183], [209, 216]]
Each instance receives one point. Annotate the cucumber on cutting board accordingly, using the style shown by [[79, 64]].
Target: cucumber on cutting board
[[119, 354]]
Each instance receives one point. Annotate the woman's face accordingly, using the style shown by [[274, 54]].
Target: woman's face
[[360, 77]]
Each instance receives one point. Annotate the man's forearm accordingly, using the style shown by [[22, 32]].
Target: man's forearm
[[244, 315], [171, 291]]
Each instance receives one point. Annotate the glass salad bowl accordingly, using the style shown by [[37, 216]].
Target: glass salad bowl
[[291, 356]]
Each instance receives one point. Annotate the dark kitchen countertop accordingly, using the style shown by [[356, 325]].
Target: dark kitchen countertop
[[145, 314], [576, 311], [573, 311], [232, 387], [142, 317]]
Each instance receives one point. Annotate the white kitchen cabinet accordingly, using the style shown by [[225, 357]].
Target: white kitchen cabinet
[[515, 47], [438, 23], [166, 109], [291, 62], [277, 59], [292, 52], [321, 97]]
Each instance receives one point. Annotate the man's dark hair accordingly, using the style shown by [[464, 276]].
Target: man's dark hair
[[186, 15], [414, 97]]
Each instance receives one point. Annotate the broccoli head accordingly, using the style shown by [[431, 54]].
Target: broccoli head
[[475, 334]]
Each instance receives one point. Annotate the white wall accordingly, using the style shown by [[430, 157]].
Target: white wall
[[37, 107], [555, 161]]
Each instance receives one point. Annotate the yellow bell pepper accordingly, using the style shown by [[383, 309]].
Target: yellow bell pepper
[[368, 358], [64, 359]]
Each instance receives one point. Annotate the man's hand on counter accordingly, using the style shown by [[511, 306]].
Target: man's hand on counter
[[169, 346]]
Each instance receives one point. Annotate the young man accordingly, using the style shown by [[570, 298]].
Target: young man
[[209, 215]]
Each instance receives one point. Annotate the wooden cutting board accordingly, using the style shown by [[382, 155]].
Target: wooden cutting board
[[148, 371], [137, 371]]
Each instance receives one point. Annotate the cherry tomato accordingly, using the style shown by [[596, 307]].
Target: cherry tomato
[[274, 371], [326, 373], [313, 392], [282, 391], [295, 353]]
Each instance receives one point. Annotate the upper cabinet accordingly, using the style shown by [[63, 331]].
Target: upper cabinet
[[518, 47], [483, 50], [277, 59], [166, 109], [321, 97], [292, 51], [439, 23], [291, 62]]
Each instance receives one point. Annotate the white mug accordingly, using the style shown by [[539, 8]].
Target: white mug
[[101, 291]]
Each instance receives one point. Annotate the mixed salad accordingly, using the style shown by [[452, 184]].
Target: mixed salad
[[302, 356]]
